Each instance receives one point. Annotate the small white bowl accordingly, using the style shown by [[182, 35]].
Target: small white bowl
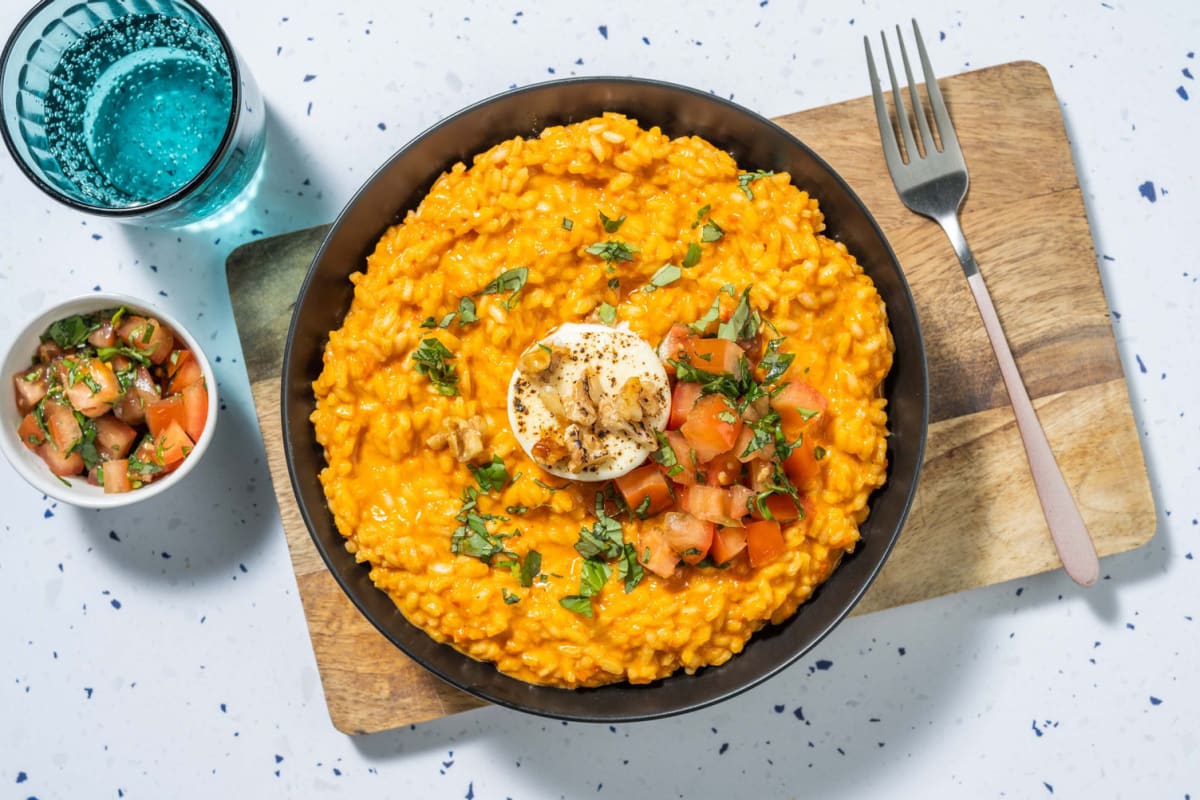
[[30, 466]]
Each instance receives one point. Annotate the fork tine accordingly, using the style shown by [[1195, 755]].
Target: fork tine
[[910, 146], [917, 106], [887, 134], [941, 116]]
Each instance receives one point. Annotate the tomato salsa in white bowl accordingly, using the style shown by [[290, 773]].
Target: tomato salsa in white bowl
[[109, 401]]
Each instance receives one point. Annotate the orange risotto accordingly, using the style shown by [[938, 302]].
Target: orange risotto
[[604, 222]]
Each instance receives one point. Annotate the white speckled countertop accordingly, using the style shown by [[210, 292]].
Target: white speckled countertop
[[161, 651]]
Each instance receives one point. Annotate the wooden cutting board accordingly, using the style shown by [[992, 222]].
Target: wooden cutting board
[[976, 519]]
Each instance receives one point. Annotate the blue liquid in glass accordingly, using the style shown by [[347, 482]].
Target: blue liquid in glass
[[137, 107]]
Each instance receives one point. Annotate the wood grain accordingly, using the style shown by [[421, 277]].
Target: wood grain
[[976, 519]]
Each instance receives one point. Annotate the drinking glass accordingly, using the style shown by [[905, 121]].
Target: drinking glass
[[139, 110]]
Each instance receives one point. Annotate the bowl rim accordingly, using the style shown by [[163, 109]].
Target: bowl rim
[[457, 681], [32, 469]]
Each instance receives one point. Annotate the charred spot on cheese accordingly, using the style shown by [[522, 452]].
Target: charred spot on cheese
[[586, 401]]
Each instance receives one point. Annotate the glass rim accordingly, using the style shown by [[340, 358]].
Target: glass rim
[[142, 209]]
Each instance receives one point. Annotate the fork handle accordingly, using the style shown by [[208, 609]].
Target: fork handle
[[1070, 535]]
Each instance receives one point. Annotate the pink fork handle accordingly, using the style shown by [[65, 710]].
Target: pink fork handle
[[1070, 535]]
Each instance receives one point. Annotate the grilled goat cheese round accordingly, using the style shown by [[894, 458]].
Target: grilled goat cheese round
[[587, 401]]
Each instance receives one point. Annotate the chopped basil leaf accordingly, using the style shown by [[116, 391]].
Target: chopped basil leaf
[[512, 281], [509, 597], [603, 539], [775, 363], [595, 575], [747, 178], [70, 332], [432, 357], [607, 314], [611, 225], [515, 510], [568, 223], [548, 487], [711, 232], [666, 275], [106, 354], [612, 250], [643, 507], [429, 322], [531, 566], [628, 567], [693, 256], [728, 417], [614, 283], [743, 322], [466, 311], [819, 452], [806, 413], [492, 475], [700, 215], [578, 604], [665, 454]]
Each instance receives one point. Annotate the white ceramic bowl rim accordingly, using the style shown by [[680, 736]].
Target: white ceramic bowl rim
[[29, 464]]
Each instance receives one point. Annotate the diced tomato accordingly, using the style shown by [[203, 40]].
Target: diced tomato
[[172, 446], [739, 501], [65, 430], [802, 466], [148, 336], [688, 536], [32, 435], [709, 429], [781, 507], [116, 476], [184, 373], [723, 470], [714, 356], [672, 346], [31, 385], [764, 542], [742, 450], [59, 464], [645, 490], [683, 400], [104, 336], [114, 439], [708, 503], [89, 384], [801, 409], [686, 474], [654, 553], [195, 408], [161, 414], [727, 543], [131, 407]]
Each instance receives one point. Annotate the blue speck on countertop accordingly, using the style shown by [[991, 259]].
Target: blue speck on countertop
[[115, 603], [310, 77], [470, 795], [721, 750], [1155, 701], [1148, 191], [278, 758], [21, 777], [824, 663], [88, 689], [779, 708], [1179, 90], [799, 713], [1141, 364], [603, 31], [47, 514], [1049, 788]]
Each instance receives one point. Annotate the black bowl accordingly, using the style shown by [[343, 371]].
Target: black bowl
[[756, 143]]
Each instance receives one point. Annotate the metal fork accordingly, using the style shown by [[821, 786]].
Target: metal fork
[[933, 182]]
